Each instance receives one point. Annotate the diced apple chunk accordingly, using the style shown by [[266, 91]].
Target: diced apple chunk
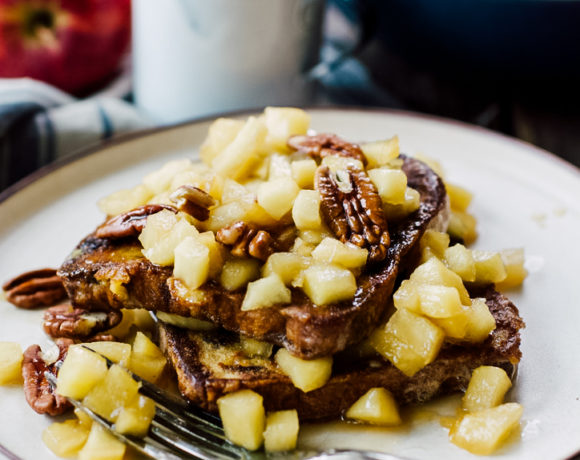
[[243, 417], [487, 388], [226, 214], [439, 301], [303, 172], [302, 247], [283, 122], [390, 183], [337, 163], [135, 417], [266, 292], [480, 321], [434, 272], [162, 234], [277, 196], [122, 329], [307, 375], [143, 320], [462, 227], [243, 152], [10, 362], [286, 265], [377, 407], [185, 322], [101, 445], [455, 326], [306, 210], [158, 181], [81, 370], [407, 297], [252, 347], [399, 211], [459, 198], [328, 284], [191, 264], [110, 395], [513, 260], [435, 242], [332, 251], [234, 191], [379, 153], [83, 418], [279, 166], [314, 236], [65, 439], [237, 273], [220, 134], [489, 267], [409, 341], [483, 432], [255, 213], [216, 252], [281, 432], [460, 260], [147, 360], [124, 200], [119, 353]]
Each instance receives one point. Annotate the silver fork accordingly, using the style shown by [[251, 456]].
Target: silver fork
[[182, 431]]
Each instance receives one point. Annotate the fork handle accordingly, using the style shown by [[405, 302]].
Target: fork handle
[[354, 455]]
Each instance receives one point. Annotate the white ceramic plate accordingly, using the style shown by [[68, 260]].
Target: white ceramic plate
[[523, 197]]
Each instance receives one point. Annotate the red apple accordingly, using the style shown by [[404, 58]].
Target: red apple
[[72, 44]]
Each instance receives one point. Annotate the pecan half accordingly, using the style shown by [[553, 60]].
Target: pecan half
[[194, 201], [352, 208], [323, 145], [75, 323], [34, 289], [130, 223], [37, 391], [245, 239]]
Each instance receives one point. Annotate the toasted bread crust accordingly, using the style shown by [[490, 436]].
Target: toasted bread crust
[[210, 364], [306, 330]]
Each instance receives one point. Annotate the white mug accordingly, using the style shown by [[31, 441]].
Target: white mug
[[193, 58]]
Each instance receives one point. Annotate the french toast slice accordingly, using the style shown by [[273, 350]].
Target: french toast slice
[[211, 364], [102, 274]]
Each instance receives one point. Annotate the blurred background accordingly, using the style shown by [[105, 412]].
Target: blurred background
[[509, 65]]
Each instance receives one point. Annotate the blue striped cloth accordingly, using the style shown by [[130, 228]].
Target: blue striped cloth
[[40, 124]]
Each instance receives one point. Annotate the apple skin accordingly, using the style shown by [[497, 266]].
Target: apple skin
[[71, 44]]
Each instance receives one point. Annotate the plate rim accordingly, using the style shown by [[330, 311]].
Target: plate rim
[[139, 133]]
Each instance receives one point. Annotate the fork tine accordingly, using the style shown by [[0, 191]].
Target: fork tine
[[198, 447], [171, 420], [178, 406]]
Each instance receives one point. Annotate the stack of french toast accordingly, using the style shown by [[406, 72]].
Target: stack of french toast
[[300, 266]]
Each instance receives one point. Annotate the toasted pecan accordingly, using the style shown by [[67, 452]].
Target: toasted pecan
[[34, 289], [352, 208], [76, 323], [193, 201], [323, 145], [37, 390], [130, 223], [247, 240]]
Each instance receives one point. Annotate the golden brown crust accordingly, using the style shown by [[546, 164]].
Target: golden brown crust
[[211, 364]]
